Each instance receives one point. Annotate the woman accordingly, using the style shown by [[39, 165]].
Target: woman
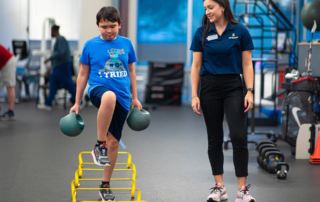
[[221, 52]]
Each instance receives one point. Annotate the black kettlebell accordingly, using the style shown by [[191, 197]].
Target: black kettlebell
[[264, 142], [273, 162], [265, 146], [262, 147], [282, 173], [268, 157], [259, 151], [263, 154]]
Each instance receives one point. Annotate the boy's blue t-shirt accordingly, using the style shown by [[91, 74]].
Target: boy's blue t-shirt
[[108, 61]]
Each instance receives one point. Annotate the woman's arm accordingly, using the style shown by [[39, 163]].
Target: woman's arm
[[195, 80], [248, 75]]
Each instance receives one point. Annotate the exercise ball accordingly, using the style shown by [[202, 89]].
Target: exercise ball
[[138, 120], [309, 13], [71, 125]]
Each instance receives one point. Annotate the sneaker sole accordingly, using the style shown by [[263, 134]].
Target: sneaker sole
[[211, 200], [103, 199], [239, 200], [96, 162], [222, 198], [8, 119]]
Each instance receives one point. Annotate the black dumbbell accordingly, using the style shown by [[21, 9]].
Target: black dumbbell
[[264, 142], [272, 162], [282, 174], [263, 154]]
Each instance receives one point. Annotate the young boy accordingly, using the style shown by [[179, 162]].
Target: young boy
[[107, 60]]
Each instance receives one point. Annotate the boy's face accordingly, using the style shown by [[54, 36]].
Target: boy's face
[[109, 30]]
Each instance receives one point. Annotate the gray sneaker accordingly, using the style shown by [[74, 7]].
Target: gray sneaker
[[44, 107], [106, 194], [99, 155], [7, 116], [243, 195]]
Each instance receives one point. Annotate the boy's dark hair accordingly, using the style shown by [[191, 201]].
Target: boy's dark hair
[[109, 13], [55, 28]]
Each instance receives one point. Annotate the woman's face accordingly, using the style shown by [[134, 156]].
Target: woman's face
[[213, 10]]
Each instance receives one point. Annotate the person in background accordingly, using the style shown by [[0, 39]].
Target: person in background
[[8, 66], [61, 76]]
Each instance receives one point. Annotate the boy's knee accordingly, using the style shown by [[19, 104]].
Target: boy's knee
[[113, 144], [109, 98]]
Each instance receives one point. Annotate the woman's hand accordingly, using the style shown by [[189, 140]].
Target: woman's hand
[[75, 108], [248, 100], [136, 103], [196, 105]]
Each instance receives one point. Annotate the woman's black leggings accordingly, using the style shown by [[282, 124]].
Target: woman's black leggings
[[219, 95]]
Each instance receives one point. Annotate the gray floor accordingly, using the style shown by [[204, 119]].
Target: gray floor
[[38, 162]]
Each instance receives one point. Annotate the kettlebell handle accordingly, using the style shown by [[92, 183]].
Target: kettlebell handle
[[279, 165], [263, 153], [265, 146], [265, 142], [142, 110], [268, 154]]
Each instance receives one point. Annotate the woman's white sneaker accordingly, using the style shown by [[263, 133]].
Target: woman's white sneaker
[[218, 193], [243, 195]]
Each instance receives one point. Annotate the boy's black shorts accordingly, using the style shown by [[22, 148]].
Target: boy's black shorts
[[119, 114]]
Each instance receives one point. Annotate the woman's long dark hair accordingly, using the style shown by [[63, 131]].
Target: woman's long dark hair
[[227, 14]]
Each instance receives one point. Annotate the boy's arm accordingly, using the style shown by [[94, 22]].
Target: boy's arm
[[135, 101], [81, 85], [132, 74]]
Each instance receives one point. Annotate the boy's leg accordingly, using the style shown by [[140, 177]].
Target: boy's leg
[[105, 113], [112, 144], [106, 108]]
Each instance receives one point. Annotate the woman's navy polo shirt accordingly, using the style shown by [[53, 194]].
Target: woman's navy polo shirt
[[222, 54]]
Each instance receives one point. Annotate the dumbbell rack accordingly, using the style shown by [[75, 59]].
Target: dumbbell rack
[[79, 173]]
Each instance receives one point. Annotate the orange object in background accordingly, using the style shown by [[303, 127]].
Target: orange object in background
[[315, 157]]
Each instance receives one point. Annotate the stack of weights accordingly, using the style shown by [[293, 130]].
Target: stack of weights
[[271, 159], [164, 83]]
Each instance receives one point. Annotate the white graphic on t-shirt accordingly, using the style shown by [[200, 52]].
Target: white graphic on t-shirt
[[113, 67]]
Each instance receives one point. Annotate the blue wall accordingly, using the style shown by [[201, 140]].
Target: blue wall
[[162, 21]]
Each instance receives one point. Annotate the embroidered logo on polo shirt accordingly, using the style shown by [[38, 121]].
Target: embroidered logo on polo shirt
[[233, 36], [212, 37]]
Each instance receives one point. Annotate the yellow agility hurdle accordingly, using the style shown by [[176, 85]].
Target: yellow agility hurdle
[[74, 190], [81, 163], [133, 179]]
